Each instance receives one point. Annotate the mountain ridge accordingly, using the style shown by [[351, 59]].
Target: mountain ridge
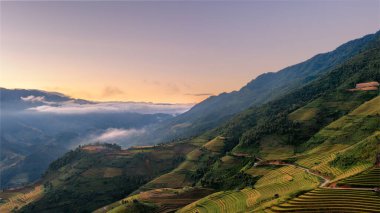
[[317, 126], [215, 109]]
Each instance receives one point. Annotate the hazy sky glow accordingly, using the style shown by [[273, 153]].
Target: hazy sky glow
[[167, 51]]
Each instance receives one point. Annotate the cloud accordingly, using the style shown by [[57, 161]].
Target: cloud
[[37, 99], [32, 98], [71, 107], [114, 134], [112, 91], [199, 94], [111, 135]]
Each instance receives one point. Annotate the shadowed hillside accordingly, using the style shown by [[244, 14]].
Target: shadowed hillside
[[299, 148], [265, 88]]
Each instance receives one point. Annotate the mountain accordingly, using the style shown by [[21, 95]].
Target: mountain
[[13, 95], [300, 146], [18, 99], [94, 175], [39, 126], [266, 87], [306, 149]]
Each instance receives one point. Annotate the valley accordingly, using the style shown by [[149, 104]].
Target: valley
[[303, 139]]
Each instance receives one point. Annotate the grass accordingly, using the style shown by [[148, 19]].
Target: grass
[[285, 181], [88, 178], [273, 148], [16, 199], [260, 170], [164, 199], [346, 146], [369, 178], [215, 145], [368, 108], [181, 176], [303, 114], [332, 200]]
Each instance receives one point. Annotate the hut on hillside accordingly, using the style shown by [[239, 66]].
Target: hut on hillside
[[368, 86]]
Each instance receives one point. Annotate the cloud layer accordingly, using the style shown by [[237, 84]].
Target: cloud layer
[[120, 136], [32, 98], [114, 135], [71, 107]]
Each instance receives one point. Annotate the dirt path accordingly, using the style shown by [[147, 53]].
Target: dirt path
[[324, 184]]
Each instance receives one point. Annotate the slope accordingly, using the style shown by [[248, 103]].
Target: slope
[[346, 153], [344, 148], [261, 132], [94, 175], [267, 87]]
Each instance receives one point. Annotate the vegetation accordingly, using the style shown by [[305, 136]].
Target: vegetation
[[284, 182], [348, 145], [259, 129], [332, 200], [369, 178], [329, 95], [95, 175], [270, 157], [265, 88], [157, 200], [13, 200]]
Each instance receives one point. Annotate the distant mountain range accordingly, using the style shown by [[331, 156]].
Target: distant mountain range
[[299, 139], [38, 127], [287, 141], [265, 88]]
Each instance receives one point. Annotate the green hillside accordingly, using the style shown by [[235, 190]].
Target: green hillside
[[303, 145], [316, 129], [349, 145], [95, 175], [267, 87], [330, 200], [276, 185], [369, 178]]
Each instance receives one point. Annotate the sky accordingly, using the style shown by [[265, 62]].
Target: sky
[[167, 51]]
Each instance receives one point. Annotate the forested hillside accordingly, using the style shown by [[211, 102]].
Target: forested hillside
[[94, 175], [265, 88], [269, 154], [312, 141]]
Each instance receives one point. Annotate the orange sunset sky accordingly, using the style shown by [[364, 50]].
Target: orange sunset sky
[[174, 52]]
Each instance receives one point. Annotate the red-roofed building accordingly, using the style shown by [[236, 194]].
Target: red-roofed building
[[368, 86]]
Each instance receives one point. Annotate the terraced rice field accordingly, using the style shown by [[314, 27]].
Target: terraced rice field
[[272, 148], [180, 176], [174, 179], [16, 200], [164, 200], [369, 179], [283, 181], [228, 201], [320, 157], [368, 108], [352, 171], [259, 170], [215, 145], [332, 200], [360, 126], [303, 114]]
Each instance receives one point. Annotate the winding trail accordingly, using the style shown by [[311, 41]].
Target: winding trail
[[324, 184]]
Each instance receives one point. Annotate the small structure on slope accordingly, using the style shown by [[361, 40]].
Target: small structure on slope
[[368, 86]]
